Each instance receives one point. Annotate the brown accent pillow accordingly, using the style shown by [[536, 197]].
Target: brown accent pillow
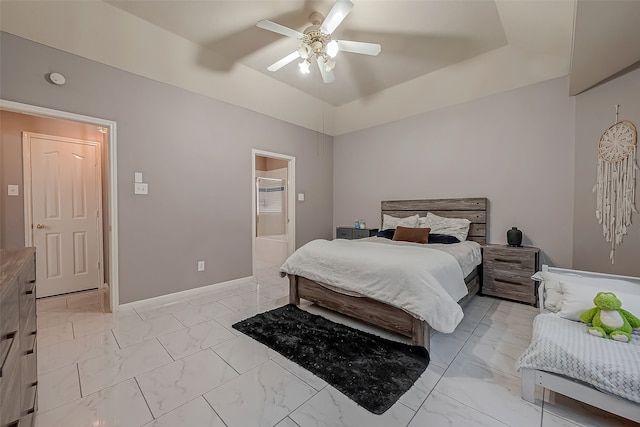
[[417, 235]]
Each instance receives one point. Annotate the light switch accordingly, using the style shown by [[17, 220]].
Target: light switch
[[301, 197], [138, 176], [13, 190], [141, 188]]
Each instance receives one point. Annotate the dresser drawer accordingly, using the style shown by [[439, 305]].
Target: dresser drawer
[[30, 270], [28, 294], [28, 420], [30, 325], [27, 306], [9, 352], [30, 368], [29, 399], [9, 311]]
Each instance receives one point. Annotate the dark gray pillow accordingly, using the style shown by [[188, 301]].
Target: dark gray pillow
[[387, 234], [442, 238]]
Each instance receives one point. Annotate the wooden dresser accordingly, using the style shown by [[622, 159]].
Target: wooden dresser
[[507, 271], [18, 347]]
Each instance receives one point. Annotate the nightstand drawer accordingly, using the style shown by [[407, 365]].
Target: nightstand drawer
[[513, 259], [513, 275], [515, 291], [505, 279], [360, 234], [343, 233]]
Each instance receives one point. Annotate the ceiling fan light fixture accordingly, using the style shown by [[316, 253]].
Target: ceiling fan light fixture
[[303, 50], [317, 47], [315, 44], [332, 48], [329, 65], [305, 67]]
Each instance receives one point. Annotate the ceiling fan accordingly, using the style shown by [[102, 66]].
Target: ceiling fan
[[315, 42]]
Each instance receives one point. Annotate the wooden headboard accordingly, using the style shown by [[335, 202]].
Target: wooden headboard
[[473, 209]]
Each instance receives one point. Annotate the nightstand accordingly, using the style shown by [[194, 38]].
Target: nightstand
[[507, 272], [355, 233]]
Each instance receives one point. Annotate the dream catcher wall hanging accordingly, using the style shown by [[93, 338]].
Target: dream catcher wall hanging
[[616, 183]]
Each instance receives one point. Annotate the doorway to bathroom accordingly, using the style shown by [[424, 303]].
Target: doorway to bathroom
[[273, 209]]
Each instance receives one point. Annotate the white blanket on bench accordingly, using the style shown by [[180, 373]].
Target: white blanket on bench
[[564, 347]]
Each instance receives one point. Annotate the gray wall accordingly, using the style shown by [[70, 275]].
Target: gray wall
[[595, 112], [515, 148], [195, 154], [2, 197]]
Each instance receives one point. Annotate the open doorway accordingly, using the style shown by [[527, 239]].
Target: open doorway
[[273, 209], [16, 211]]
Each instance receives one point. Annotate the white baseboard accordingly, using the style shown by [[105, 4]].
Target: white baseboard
[[182, 294]]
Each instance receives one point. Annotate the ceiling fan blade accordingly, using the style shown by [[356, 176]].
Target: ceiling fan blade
[[338, 12], [284, 61], [280, 29], [327, 76], [358, 47]]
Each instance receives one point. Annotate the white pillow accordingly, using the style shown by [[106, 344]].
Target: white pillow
[[458, 227], [393, 222], [578, 295], [553, 294]]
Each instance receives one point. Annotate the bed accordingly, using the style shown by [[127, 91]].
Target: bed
[[383, 314], [565, 359]]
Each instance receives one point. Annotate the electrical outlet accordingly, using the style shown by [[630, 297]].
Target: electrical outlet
[[200, 265], [140, 188]]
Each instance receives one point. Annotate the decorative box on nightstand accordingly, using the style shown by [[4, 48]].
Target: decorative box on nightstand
[[355, 233], [507, 272]]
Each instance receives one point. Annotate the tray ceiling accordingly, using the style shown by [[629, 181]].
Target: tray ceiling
[[434, 53]]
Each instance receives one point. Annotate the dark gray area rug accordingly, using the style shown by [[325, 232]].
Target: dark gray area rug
[[372, 371]]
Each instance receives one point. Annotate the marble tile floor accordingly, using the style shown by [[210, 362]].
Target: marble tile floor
[[178, 362]]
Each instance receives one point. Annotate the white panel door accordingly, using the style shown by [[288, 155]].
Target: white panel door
[[65, 197]]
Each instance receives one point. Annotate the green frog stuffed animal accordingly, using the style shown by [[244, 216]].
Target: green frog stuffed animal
[[608, 318]]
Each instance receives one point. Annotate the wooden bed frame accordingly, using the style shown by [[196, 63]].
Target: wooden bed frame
[[384, 315], [568, 386]]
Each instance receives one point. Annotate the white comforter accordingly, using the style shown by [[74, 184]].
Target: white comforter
[[419, 279]]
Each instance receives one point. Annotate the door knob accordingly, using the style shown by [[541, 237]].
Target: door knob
[[40, 226]]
